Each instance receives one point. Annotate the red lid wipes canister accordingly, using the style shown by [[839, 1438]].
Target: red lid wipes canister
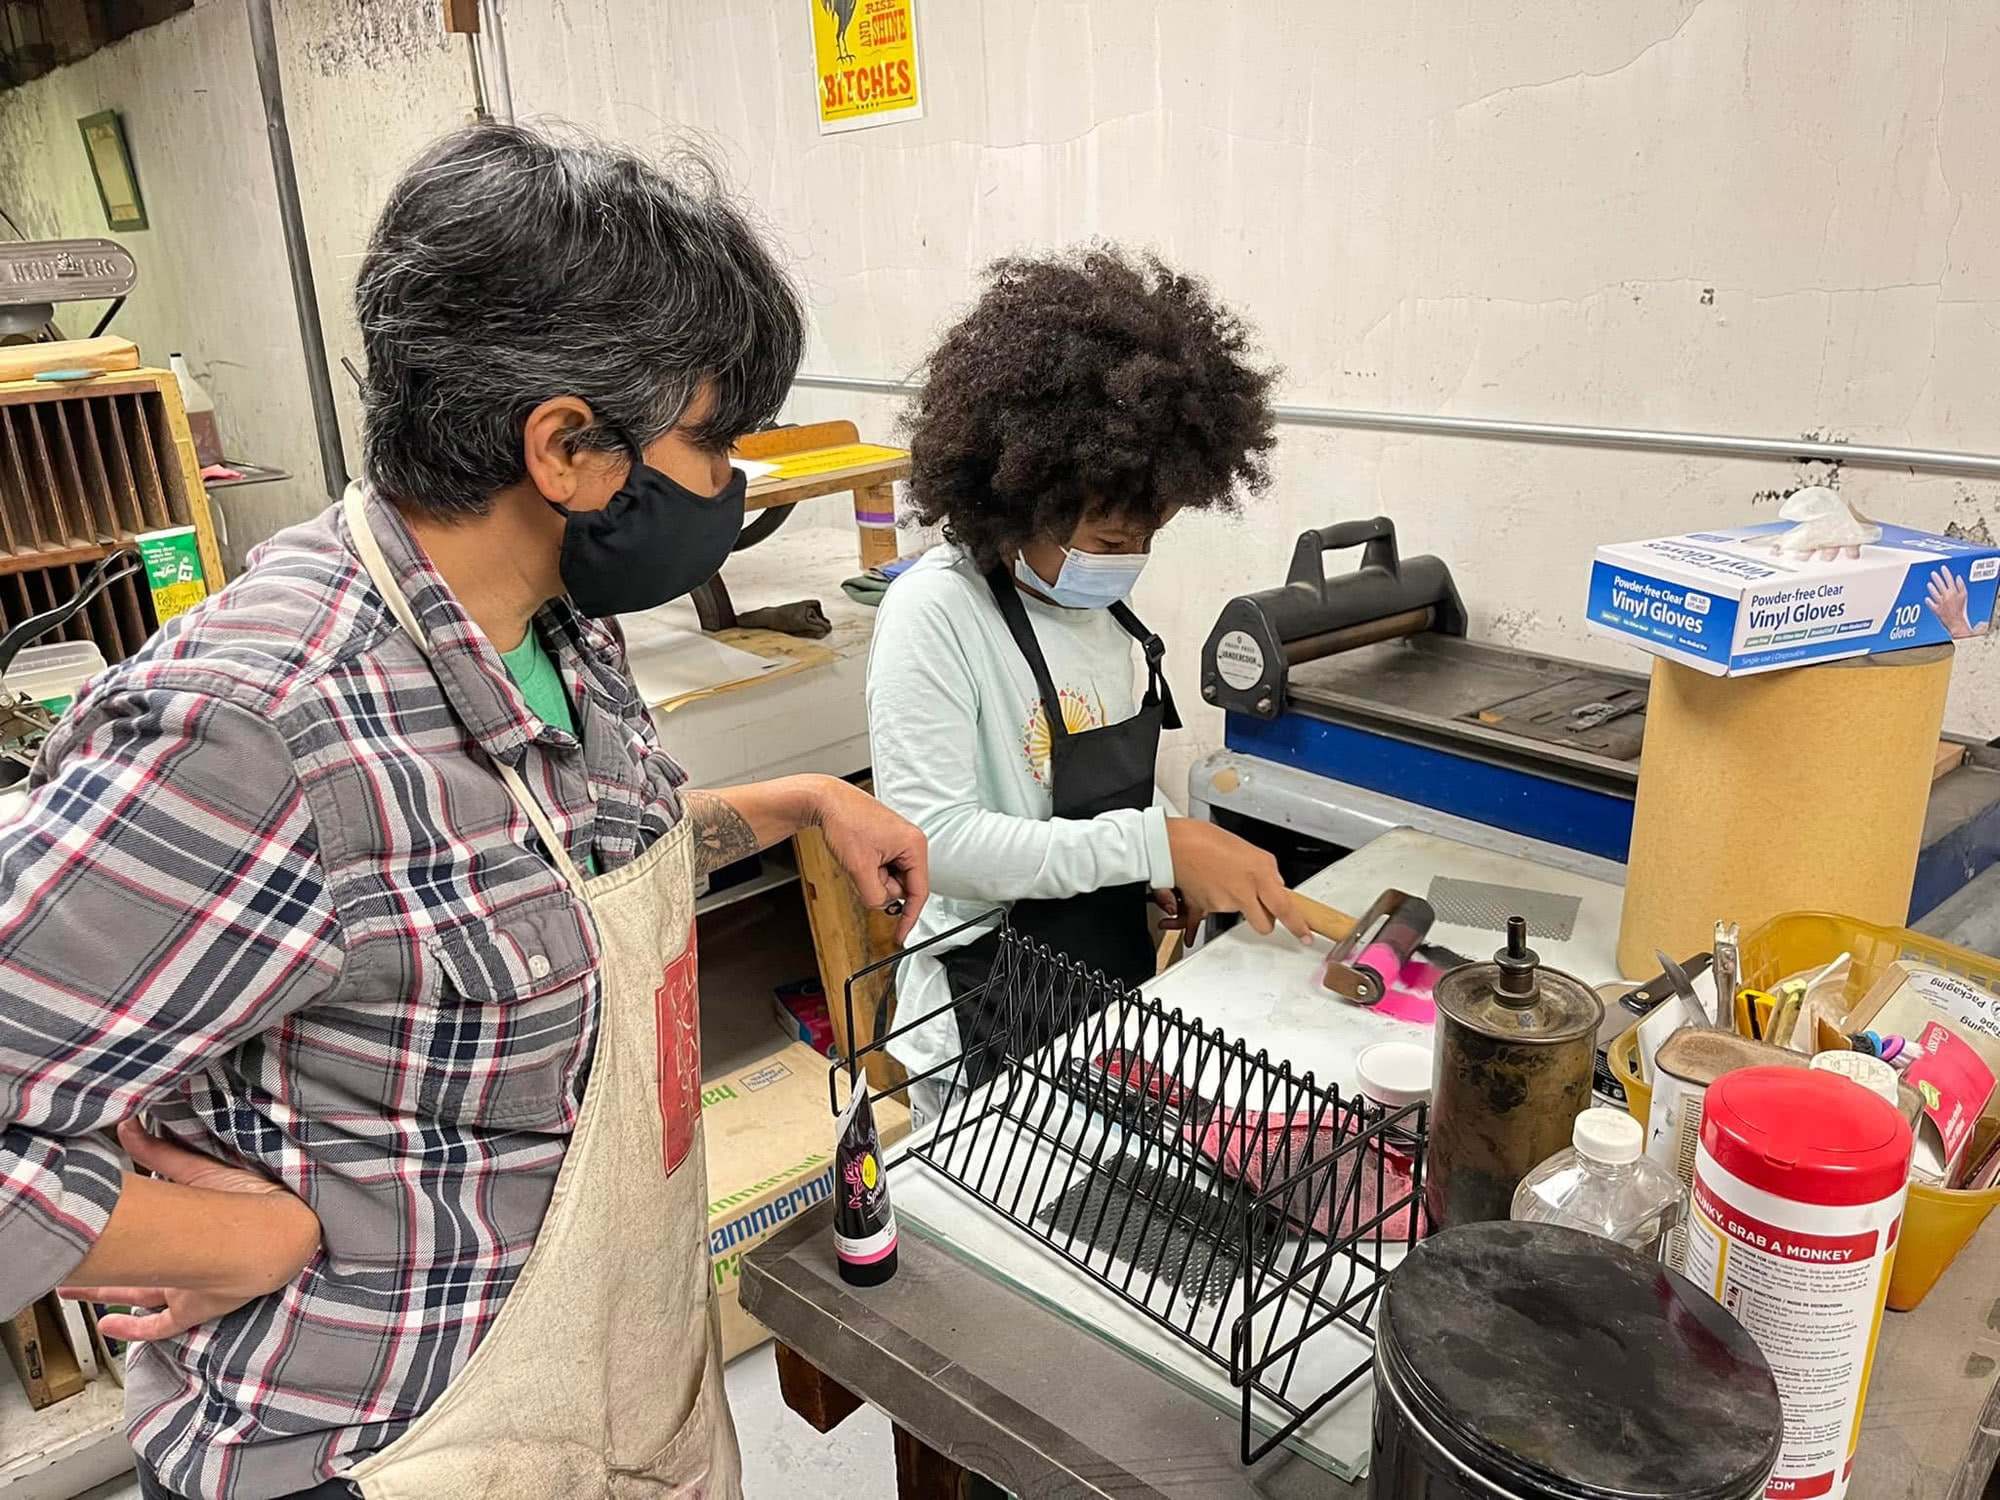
[[1799, 1183], [1810, 1137]]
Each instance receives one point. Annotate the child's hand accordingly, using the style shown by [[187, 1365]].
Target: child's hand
[[1217, 871], [1179, 913]]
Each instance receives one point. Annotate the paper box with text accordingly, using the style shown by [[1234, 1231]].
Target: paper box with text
[[1735, 601], [1955, 1086]]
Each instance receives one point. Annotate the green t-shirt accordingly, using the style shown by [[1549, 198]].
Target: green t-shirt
[[535, 673]]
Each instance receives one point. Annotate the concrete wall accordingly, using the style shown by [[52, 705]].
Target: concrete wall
[[1760, 216], [1756, 216]]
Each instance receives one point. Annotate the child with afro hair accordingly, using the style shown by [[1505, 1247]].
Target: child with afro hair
[[1015, 702]]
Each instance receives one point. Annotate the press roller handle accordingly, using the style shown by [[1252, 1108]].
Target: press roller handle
[[1258, 638], [1377, 535]]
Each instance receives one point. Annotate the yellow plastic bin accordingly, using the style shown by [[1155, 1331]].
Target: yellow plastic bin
[[1623, 1055], [1806, 939], [1939, 1222]]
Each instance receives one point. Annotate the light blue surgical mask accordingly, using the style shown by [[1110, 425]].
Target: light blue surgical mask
[[1088, 580]]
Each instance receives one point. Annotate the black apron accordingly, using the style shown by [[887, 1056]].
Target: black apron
[[1097, 771]]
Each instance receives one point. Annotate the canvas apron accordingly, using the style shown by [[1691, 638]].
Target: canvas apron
[[602, 1373]]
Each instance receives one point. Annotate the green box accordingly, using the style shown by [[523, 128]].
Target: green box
[[173, 571]]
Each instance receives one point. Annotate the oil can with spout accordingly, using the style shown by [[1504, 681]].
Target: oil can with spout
[[1516, 1044]]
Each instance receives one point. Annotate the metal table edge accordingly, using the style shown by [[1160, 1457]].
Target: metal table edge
[[775, 1291]]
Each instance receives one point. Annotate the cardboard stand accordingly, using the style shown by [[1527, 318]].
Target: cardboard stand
[[1802, 790]]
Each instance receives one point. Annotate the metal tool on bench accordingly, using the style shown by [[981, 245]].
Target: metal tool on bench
[[1683, 984], [1624, 1009], [1365, 685]]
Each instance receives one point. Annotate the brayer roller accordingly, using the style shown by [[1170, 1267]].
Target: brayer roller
[[1373, 956]]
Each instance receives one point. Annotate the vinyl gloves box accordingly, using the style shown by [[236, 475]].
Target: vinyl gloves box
[[1819, 584]]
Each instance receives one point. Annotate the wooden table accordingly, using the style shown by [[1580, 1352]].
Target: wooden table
[[980, 1380], [872, 481]]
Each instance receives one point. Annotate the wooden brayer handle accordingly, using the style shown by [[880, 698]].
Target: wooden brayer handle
[[1332, 925]]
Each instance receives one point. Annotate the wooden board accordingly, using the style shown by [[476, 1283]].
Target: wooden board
[[1802, 790], [34, 1341], [25, 361], [775, 489], [824, 1403], [872, 483], [767, 447], [847, 938]]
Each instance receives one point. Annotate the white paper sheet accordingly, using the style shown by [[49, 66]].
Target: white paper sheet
[[669, 661]]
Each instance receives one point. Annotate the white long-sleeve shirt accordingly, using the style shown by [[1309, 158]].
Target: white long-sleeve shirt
[[961, 748]]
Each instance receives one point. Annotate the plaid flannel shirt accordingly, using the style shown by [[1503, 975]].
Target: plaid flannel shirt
[[269, 889]]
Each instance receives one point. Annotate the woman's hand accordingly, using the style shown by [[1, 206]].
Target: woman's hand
[[1217, 871], [260, 1246], [885, 855]]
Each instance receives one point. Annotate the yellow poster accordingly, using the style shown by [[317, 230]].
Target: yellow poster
[[865, 59]]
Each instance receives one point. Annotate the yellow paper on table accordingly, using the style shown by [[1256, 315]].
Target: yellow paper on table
[[865, 56], [827, 460]]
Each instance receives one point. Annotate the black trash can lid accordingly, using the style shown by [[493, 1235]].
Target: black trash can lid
[[1555, 1363]]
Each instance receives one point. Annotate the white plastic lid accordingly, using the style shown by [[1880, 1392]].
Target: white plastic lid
[[1395, 1073], [1608, 1135], [1870, 1072]]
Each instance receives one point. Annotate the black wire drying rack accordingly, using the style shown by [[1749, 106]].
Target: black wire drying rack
[[1249, 1210]]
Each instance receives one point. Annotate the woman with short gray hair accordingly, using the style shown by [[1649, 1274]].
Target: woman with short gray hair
[[376, 891]]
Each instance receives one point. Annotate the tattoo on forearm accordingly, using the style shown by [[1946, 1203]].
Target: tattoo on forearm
[[722, 835]]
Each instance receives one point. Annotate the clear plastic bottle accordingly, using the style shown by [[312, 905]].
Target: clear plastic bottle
[[1605, 1185], [200, 412]]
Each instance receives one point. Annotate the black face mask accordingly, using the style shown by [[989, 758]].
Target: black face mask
[[655, 541]]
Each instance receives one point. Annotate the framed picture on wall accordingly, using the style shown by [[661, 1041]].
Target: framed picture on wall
[[111, 164]]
